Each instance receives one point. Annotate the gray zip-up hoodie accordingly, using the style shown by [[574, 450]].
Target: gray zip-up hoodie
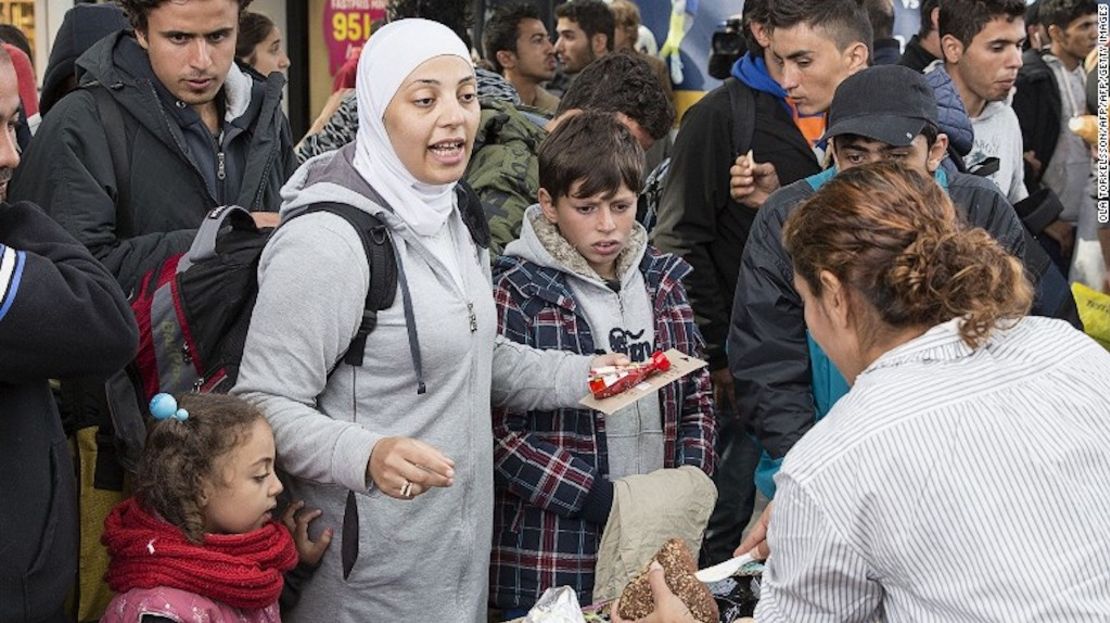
[[424, 559], [621, 320]]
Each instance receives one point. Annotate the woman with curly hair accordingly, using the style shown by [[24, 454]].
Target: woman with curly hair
[[972, 432]]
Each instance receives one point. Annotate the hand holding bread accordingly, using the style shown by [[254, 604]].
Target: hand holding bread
[[667, 592]]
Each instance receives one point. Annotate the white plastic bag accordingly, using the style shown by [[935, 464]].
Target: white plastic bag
[[558, 604]]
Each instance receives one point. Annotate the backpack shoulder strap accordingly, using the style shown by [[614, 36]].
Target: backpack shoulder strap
[[743, 116], [116, 133], [378, 245], [470, 207]]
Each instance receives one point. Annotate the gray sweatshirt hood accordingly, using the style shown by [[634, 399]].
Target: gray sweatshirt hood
[[332, 178], [541, 243]]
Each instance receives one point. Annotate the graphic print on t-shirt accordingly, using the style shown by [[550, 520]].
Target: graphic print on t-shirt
[[622, 341]]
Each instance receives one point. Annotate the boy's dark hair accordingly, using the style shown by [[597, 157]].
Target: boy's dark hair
[[881, 15], [180, 456], [963, 19], [1063, 12], [13, 35], [754, 11], [622, 82], [845, 21], [594, 148], [926, 10], [253, 29], [592, 16], [503, 29], [138, 10], [454, 14]]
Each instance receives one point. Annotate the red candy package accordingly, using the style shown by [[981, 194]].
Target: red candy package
[[612, 380]]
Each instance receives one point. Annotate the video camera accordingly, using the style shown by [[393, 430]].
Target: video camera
[[726, 46]]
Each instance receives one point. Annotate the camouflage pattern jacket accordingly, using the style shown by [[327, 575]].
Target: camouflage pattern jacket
[[504, 169]]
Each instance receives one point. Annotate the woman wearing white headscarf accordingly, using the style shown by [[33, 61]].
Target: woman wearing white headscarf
[[408, 431]]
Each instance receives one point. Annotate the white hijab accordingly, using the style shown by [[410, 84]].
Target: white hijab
[[390, 55]]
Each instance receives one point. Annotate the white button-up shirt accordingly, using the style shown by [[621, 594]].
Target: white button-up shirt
[[953, 485]]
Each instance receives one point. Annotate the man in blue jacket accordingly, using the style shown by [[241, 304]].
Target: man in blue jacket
[[61, 314]]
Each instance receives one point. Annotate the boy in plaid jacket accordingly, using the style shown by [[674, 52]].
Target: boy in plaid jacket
[[583, 278]]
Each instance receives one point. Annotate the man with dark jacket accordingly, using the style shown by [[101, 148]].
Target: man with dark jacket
[[186, 128], [924, 48], [163, 128], [820, 42], [61, 314], [885, 49], [784, 382], [1051, 85]]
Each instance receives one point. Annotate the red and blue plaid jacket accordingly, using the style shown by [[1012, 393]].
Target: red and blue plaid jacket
[[546, 461]]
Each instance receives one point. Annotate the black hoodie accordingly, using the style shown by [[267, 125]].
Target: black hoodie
[[84, 25]]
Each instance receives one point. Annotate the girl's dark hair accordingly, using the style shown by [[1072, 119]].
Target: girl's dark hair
[[138, 10], [893, 236], [592, 147], [179, 457], [253, 29]]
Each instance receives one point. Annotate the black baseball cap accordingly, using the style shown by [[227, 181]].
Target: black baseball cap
[[887, 103]]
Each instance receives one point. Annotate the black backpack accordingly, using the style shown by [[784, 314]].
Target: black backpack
[[194, 310], [743, 130]]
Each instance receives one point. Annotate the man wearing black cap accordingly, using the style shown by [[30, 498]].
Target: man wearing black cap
[[788, 383]]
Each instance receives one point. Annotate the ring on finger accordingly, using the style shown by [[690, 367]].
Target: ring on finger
[[406, 489]]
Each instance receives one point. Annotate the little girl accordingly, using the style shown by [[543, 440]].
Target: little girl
[[198, 540]]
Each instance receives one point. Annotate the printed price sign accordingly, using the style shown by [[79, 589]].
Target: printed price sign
[[347, 26]]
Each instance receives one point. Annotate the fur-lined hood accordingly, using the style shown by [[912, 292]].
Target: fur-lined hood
[[541, 243]]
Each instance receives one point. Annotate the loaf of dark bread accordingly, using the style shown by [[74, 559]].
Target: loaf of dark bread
[[678, 569]]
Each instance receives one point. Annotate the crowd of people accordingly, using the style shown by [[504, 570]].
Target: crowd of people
[[872, 250]]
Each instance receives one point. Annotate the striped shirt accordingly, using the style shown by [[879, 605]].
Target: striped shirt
[[953, 485]]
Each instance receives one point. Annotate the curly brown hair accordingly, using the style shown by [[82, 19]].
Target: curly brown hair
[[893, 235], [138, 10], [179, 457]]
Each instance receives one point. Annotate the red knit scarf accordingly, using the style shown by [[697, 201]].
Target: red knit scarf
[[240, 570]]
